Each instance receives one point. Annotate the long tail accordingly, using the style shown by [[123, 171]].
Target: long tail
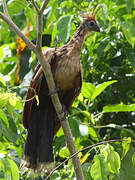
[[41, 126]]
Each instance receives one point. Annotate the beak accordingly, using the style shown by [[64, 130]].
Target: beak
[[97, 28]]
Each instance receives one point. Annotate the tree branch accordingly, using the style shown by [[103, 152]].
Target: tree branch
[[35, 6], [50, 82], [17, 31], [5, 8], [44, 6]]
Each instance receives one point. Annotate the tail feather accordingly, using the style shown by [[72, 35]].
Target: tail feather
[[39, 143]]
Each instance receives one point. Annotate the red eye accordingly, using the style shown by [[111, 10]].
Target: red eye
[[92, 23]]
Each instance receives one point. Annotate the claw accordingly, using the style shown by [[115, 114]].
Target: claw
[[64, 110]]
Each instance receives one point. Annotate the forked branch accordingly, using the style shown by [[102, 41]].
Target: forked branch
[[49, 78]]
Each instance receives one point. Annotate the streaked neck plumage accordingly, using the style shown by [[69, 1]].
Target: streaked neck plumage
[[79, 37]]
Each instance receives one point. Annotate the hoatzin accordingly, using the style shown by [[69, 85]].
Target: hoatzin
[[41, 120]]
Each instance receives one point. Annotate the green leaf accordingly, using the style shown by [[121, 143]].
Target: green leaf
[[2, 80], [16, 6], [7, 170], [14, 170], [4, 97], [62, 28], [126, 146], [86, 171], [64, 152], [93, 133], [74, 124], [100, 88], [111, 157], [88, 90], [129, 32], [3, 117], [89, 116], [119, 108], [99, 170], [13, 99], [114, 162]]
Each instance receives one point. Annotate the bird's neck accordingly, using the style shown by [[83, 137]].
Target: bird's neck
[[79, 37]]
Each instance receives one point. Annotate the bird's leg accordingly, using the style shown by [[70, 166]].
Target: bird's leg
[[63, 111]]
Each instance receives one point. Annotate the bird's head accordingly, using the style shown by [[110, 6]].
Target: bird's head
[[89, 23]]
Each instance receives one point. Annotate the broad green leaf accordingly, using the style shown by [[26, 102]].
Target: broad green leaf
[[100, 88], [129, 32], [16, 6], [88, 90], [12, 99], [7, 169], [74, 124], [89, 116], [126, 146], [86, 171], [93, 133], [64, 153], [4, 98], [3, 117], [99, 170], [62, 28], [14, 170], [119, 108], [114, 162]]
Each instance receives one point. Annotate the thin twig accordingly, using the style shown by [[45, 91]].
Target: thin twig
[[44, 6], [39, 32], [88, 147], [40, 25], [5, 8], [35, 6]]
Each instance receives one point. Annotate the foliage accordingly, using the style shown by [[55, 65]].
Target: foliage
[[104, 109]]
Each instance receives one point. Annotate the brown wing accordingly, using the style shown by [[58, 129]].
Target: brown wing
[[38, 85], [68, 98], [30, 99], [70, 95]]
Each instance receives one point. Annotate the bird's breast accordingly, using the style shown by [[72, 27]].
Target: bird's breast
[[66, 72]]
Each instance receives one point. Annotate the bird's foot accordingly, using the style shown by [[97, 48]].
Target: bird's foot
[[65, 112]]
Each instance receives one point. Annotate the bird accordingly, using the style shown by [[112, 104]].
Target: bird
[[39, 117]]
